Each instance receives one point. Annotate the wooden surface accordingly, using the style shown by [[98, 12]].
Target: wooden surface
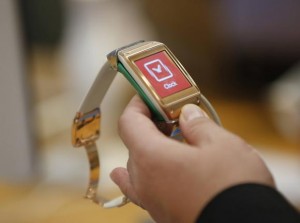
[[54, 204]]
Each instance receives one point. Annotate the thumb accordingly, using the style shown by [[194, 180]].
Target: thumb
[[196, 126]]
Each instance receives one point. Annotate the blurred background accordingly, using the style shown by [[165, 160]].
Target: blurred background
[[243, 54]]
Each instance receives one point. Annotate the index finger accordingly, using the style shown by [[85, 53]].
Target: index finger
[[136, 128]]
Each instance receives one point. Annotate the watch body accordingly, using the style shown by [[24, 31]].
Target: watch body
[[158, 77]]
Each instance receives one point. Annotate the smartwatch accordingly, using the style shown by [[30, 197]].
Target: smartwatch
[[160, 80]]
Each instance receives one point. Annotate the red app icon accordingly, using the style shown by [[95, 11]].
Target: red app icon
[[157, 69], [165, 77]]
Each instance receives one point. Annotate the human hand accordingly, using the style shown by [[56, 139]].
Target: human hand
[[174, 181]]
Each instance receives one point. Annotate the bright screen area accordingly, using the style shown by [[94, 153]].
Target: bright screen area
[[163, 74]]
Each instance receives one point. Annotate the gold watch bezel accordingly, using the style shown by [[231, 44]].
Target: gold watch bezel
[[172, 104]]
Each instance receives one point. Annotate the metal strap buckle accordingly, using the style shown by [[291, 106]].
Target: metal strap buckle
[[86, 127]]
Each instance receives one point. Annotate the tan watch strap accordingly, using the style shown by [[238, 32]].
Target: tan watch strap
[[86, 130]]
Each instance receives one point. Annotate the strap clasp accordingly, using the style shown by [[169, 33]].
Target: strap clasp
[[86, 128]]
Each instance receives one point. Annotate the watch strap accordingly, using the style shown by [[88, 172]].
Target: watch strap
[[100, 86], [91, 193], [86, 130]]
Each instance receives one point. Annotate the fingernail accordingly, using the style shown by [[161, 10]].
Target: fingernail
[[191, 112]]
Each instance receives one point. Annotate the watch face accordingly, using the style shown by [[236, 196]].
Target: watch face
[[162, 73]]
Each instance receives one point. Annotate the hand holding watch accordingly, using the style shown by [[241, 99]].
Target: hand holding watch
[[160, 80]]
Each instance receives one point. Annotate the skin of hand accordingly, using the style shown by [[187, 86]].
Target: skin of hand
[[174, 181]]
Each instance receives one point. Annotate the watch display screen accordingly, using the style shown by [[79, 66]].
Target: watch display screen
[[162, 73]]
